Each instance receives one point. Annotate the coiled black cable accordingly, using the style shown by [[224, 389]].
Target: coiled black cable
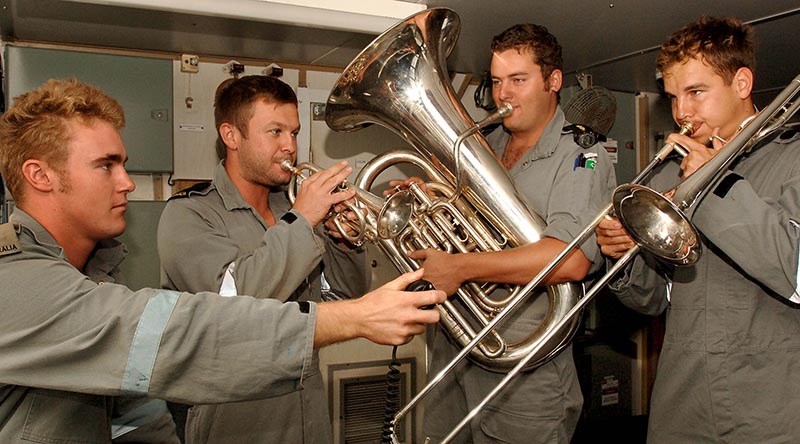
[[392, 405]]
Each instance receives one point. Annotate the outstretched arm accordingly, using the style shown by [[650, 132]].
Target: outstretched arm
[[387, 315]]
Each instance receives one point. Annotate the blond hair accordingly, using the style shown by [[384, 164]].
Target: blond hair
[[36, 125]]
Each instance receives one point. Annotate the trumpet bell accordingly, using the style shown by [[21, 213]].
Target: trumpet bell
[[657, 225], [395, 214]]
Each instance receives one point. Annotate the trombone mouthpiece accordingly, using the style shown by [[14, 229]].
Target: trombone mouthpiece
[[687, 128]]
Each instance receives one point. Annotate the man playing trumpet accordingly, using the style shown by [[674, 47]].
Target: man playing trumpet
[[241, 235]]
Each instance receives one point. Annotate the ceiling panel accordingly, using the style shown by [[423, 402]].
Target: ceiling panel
[[616, 42]]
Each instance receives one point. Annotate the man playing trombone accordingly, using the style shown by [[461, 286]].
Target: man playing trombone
[[729, 370]]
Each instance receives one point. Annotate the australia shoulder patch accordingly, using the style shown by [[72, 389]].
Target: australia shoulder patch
[[9, 244]]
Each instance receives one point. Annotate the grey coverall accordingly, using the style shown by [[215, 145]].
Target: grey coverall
[[542, 406], [212, 240], [729, 370], [69, 345]]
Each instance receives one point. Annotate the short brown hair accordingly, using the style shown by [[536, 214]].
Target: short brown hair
[[725, 44], [234, 101], [36, 125], [534, 38]]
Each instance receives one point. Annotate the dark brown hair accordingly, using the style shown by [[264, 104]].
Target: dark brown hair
[[725, 44], [536, 39], [234, 101]]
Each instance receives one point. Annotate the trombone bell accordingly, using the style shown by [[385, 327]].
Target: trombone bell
[[656, 224]]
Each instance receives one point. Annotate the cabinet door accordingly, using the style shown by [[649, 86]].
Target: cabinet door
[[143, 86]]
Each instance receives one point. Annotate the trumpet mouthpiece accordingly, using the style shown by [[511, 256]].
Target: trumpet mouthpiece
[[288, 166]]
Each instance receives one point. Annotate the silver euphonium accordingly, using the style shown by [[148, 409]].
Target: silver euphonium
[[400, 81]]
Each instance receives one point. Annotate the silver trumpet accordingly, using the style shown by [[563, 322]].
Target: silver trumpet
[[377, 218], [670, 236]]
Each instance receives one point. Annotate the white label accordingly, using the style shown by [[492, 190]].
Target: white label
[[192, 127]]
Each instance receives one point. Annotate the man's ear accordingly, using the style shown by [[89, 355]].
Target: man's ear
[[39, 175], [229, 135], [743, 82], [555, 80]]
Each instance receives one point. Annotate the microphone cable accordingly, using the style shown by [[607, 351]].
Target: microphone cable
[[392, 402]]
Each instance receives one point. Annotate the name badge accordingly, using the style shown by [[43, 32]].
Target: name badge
[[9, 244]]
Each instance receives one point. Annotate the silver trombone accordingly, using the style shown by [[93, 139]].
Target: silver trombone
[[677, 243], [665, 151]]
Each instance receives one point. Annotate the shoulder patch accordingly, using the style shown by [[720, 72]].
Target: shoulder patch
[[188, 190], [9, 243], [585, 160]]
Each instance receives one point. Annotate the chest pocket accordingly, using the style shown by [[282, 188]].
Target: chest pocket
[[56, 417]]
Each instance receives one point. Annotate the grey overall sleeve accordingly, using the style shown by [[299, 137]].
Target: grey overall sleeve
[[640, 287], [61, 331], [347, 270], [577, 196], [198, 248], [762, 236]]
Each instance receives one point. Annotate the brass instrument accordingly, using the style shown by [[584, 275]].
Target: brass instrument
[[381, 219], [400, 81], [673, 239], [671, 235]]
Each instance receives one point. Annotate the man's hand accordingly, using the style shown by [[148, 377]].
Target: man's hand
[[387, 315], [699, 153], [343, 211], [317, 193], [613, 240], [440, 269]]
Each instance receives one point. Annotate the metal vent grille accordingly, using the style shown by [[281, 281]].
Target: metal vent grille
[[362, 406]]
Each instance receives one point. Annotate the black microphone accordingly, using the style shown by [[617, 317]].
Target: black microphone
[[421, 285]]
